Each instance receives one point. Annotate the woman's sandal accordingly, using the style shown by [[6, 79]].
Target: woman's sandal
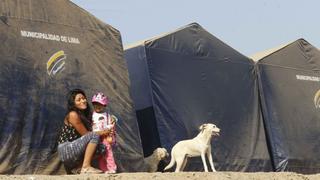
[[76, 171], [90, 170]]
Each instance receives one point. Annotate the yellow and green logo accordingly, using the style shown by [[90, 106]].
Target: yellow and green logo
[[56, 63], [316, 99]]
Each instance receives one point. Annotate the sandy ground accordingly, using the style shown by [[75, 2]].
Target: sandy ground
[[171, 176]]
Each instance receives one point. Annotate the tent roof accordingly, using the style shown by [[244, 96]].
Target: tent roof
[[144, 41], [194, 41], [260, 55], [299, 54], [62, 12]]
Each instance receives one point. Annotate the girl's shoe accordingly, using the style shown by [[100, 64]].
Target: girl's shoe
[[110, 172], [90, 170]]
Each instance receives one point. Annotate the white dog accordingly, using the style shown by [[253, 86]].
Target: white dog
[[198, 146], [153, 160]]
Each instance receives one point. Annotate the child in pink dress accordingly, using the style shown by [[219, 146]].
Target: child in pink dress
[[104, 121]]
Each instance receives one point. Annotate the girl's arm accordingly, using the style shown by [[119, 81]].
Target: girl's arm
[[75, 121]]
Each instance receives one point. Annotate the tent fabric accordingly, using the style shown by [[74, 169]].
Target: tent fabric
[[194, 78], [140, 90], [289, 85], [48, 48], [257, 56]]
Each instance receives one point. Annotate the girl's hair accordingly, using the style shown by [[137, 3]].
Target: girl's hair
[[72, 107]]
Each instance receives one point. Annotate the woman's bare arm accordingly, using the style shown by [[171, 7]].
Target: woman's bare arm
[[75, 121]]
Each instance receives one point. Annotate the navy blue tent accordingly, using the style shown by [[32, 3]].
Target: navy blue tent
[[188, 77], [49, 47], [289, 88]]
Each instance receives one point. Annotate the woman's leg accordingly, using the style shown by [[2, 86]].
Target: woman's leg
[[90, 150], [72, 152]]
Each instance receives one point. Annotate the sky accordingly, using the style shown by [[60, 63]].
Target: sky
[[249, 26]]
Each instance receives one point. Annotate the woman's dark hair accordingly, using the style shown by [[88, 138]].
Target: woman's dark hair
[[72, 107]]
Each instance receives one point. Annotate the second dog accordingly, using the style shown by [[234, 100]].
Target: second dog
[[198, 146]]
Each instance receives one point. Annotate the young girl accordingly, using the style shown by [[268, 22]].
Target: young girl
[[104, 121]]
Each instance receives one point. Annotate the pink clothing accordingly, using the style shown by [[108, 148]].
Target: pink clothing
[[102, 121], [106, 161], [100, 98]]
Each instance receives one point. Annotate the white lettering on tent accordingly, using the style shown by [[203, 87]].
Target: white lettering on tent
[[51, 37], [308, 78]]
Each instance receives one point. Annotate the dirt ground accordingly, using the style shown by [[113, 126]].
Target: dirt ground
[[172, 176]]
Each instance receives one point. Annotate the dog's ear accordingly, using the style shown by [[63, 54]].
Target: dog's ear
[[161, 153], [202, 127], [165, 152]]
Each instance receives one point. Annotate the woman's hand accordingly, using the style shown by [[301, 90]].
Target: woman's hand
[[114, 119], [104, 132]]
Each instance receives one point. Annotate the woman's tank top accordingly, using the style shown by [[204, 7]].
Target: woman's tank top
[[68, 133]]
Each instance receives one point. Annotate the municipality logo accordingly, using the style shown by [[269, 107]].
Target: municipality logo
[[56, 63], [316, 99]]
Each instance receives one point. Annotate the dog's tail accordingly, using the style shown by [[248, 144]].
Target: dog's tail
[[171, 164]]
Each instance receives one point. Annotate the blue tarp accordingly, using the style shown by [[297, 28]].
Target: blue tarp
[[48, 48], [188, 77], [289, 88]]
